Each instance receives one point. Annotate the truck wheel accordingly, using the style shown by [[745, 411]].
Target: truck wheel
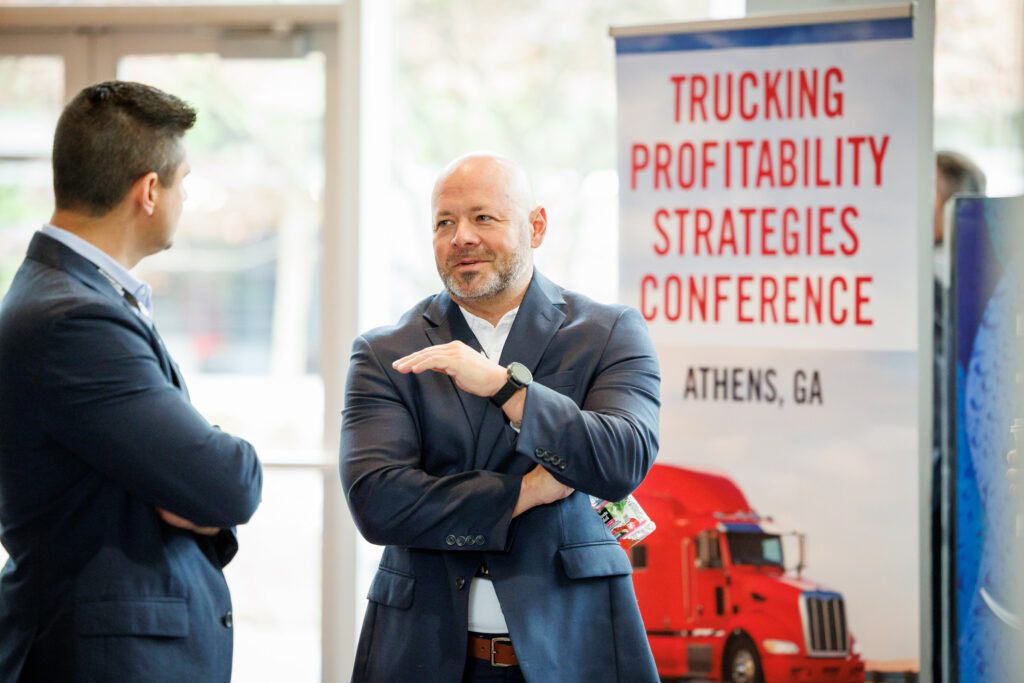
[[743, 665]]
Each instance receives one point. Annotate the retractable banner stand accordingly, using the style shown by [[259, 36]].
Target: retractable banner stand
[[768, 172], [987, 381]]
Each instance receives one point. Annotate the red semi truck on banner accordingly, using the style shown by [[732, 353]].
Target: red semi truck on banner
[[715, 596]]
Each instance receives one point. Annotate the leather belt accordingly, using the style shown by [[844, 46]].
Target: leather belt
[[497, 650]]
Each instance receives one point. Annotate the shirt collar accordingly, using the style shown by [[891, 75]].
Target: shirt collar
[[142, 292], [477, 323]]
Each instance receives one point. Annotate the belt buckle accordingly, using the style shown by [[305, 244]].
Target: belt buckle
[[494, 650]]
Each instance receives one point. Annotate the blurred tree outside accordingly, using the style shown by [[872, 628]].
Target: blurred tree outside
[[236, 293], [31, 98], [979, 87], [533, 80]]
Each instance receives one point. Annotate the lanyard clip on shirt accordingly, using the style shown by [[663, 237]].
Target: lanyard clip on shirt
[[142, 311]]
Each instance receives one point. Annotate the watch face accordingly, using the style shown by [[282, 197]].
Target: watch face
[[519, 374]]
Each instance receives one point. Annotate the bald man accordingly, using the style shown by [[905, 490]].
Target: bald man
[[473, 431]]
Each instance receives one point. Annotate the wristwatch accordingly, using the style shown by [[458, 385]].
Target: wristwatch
[[519, 377]]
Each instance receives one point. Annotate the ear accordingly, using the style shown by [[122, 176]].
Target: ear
[[146, 192], [538, 226]]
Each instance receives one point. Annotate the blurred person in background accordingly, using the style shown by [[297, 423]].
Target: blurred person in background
[[117, 499], [476, 477], [955, 173]]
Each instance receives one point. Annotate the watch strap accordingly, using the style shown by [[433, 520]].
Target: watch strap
[[505, 393]]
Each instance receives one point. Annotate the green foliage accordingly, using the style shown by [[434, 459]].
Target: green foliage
[[533, 79]]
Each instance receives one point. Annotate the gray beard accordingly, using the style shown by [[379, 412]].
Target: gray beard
[[506, 274]]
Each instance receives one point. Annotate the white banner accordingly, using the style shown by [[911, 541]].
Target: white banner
[[767, 194], [768, 183]]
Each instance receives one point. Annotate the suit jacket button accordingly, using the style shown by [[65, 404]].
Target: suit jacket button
[[460, 582], [460, 541], [450, 539], [480, 540], [227, 620], [539, 452]]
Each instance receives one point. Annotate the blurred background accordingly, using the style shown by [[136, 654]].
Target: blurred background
[[321, 128]]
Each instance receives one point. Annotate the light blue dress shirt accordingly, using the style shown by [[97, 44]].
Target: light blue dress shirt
[[113, 270]]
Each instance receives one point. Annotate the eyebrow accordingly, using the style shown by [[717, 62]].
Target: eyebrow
[[472, 209]]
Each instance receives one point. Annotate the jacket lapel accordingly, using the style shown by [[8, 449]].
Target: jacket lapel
[[539, 318], [49, 251], [446, 323]]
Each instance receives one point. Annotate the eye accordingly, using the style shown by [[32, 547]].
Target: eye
[[443, 223], [484, 218]]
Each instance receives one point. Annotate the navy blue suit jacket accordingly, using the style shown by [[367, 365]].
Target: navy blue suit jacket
[[96, 430], [434, 473]]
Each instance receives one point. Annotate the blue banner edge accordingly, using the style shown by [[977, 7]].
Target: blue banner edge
[[797, 34]]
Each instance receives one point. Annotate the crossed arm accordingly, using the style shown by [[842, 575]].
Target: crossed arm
[[608, 444], [109, 403], [476, 374]]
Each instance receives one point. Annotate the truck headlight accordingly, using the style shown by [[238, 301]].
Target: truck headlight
[[780, 647]]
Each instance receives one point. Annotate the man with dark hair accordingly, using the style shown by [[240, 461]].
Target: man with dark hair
[[117, 499], [476, 475], [138, 125]]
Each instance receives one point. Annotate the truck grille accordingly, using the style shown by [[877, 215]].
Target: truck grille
[[824, 618]]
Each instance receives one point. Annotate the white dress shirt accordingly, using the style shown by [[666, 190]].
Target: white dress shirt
[[485, 615]]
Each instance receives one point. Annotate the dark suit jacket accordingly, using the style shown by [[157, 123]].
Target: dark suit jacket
[[95, 430], [434, 473]]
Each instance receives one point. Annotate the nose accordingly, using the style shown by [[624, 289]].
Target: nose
[[465, 234]]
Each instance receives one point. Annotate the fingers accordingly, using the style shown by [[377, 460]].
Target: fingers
[[539, 488], [437, 357], [552, 490], [182, 523], [174, 520], [472, 371]]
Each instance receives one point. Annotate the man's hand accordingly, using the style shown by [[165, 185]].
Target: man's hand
[[182, 523], [472, 371], [539, 488]]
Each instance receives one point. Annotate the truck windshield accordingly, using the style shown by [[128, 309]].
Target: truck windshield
[[755, 549]]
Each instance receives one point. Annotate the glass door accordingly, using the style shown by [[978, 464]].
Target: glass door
[[237, 302], [33, 74], [238, 297]]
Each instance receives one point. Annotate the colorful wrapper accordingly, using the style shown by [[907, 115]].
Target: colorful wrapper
[[626, 520]]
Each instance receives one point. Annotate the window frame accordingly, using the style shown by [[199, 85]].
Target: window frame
[[92, 40]]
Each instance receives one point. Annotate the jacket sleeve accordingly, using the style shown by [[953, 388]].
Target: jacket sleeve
[[107, 400], [393, 500], [606, 446]]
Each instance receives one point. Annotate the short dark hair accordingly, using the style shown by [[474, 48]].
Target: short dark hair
[[110, 135], [958, 174]]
